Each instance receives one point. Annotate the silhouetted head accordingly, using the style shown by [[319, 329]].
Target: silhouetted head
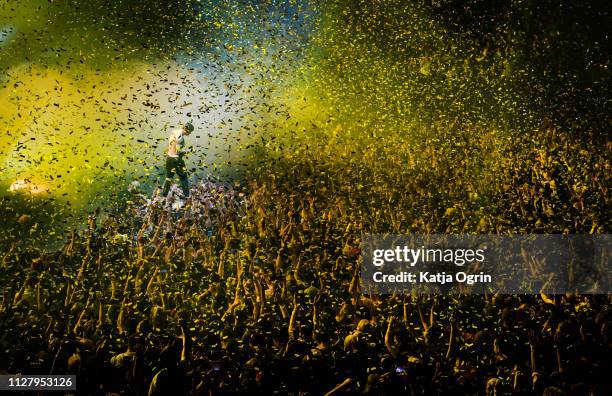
[[188, 128]]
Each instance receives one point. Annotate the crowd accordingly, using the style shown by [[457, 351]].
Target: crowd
[[253, 288]]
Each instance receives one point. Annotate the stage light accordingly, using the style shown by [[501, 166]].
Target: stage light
[[22, 185]]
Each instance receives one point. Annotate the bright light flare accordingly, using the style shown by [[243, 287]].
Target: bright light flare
[[27, 186]]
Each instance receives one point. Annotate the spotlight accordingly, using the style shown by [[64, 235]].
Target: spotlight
[[22, 185]]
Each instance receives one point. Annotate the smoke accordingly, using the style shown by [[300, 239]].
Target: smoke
[[93, 89]]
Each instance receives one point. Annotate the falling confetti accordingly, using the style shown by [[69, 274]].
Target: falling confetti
[[315, 122]]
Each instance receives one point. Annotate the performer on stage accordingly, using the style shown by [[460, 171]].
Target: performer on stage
[[175, 163]]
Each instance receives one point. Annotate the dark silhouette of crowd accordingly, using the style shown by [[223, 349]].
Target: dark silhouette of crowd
[[253, 287], [240, 290]]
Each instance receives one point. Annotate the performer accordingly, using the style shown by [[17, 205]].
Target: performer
[[175, 163]]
